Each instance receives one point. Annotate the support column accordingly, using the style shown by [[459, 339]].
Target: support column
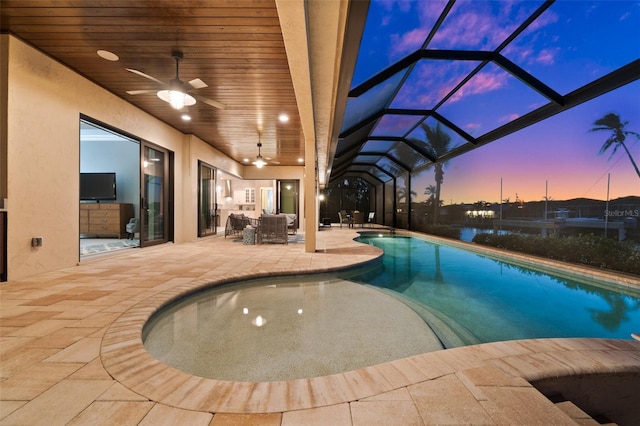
[[311, 198], [321, 59]]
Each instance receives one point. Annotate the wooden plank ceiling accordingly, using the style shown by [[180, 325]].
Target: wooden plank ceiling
[[234, 46]]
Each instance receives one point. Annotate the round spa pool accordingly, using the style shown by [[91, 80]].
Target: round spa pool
[[285, 328]]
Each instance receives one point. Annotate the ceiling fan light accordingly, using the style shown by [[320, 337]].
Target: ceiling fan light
[[259, 163], [176, 98]]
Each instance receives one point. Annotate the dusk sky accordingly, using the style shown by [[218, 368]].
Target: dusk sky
[[560, 150], [568, 46]]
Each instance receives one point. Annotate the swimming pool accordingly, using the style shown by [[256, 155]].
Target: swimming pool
[[284, 328], [481, 299]]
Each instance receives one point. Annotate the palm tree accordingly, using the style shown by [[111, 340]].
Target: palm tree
[[402, 195], [439, 142], [611, 123], [431, 192]]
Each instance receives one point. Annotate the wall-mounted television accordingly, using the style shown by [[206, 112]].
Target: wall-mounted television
[[97, 186]]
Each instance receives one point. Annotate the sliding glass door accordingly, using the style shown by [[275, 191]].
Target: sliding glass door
[[288, 200], [207, 203], [154, 195]]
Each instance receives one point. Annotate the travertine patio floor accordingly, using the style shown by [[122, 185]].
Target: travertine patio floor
[[71, 353]]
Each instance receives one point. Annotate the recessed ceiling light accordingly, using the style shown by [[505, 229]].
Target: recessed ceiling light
[[283, 118], [186, 117], [109, 56], [300, 160], [246, 160]]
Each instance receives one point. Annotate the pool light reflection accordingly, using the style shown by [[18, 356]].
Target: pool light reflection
[[259, 321]]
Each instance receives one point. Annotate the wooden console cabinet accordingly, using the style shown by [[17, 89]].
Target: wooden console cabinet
[[104, 219]]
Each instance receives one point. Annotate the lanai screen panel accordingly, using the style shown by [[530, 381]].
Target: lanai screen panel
[[491, 98], [430, 81], [435, 137], [576, 42], [480, 70]]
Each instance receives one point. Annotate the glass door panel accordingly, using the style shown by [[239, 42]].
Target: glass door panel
[[154, 195], [266, 200], [288, 198], [207, 203]]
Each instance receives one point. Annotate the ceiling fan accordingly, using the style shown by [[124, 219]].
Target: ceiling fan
[[176, 91], [261, 161]]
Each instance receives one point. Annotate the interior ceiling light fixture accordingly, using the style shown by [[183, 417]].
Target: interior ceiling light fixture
[[109, 56], [259, 163]]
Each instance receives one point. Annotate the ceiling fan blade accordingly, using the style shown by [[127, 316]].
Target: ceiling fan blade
[[140, 73], [209, 102], [140, 92], [196, 83]]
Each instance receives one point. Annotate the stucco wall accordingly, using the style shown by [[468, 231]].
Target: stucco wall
[[199, 150], [45, 100]]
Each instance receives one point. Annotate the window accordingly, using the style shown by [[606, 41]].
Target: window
[[250, 195]]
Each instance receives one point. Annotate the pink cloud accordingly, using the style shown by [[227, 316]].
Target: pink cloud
[[546, 56], [547, 18], [521, 49], [464, 30], [479, 28], [408, 42], [472, 126], [509, 117], [418, 97], [430, 10], [482, 83], [443, 76]]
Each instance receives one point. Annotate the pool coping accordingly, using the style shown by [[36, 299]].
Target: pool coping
[[124, 357]]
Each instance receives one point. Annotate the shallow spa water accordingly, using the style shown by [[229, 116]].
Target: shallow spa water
[[285, 328]]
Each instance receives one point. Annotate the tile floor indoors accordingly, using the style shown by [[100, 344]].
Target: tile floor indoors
[[71, 353]]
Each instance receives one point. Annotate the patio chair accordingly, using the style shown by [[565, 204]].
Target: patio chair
[[371, 219], [236, 224], [344, 218], [272, 228], [291, 222], [358, 219]]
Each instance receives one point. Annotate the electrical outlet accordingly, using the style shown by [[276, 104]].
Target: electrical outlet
[[36, 242]]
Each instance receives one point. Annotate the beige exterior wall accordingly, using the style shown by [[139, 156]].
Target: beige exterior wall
[[196, 149], [44, 102]]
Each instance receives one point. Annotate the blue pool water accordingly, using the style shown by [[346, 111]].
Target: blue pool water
[[479, 299], [286, 328]]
